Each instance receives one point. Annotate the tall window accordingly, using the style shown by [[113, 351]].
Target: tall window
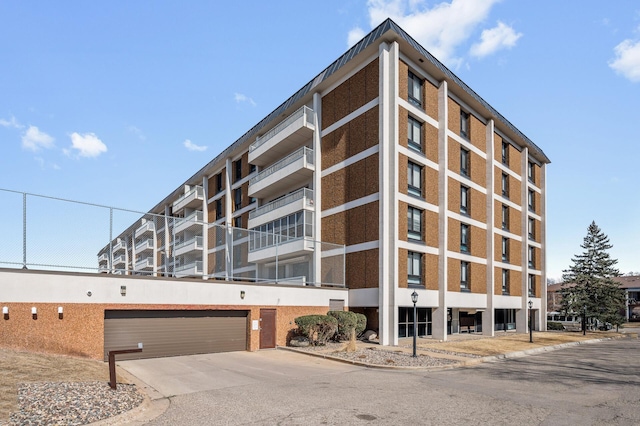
[[505, 249], [415, 90], [464, 124], [465, 235], [505, 217], [465, 162], [414, 179], [505, 153], [238, 169], [505, 281], [252, 168], [505, 185], [414, 134], [414, 217], [218, 182], [237, 198], [532, 201], [219, 208], [532, 257], [464, 200], [237, 223], [532, 285], [531, 172], [532, 229], [414, 269], [464, 275]]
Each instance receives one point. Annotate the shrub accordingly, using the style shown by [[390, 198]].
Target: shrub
[[347, 321], [554, 326], [362, 324], [317, 328]]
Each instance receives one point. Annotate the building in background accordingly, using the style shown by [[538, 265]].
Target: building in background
[[386, 174]]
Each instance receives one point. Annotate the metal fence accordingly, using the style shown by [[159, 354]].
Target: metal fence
[[47, 233]]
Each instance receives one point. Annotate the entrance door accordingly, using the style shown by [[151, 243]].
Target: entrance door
[[267, 328]]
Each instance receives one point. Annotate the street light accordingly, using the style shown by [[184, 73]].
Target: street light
[[414, 299], [584, 320], [530, 321]]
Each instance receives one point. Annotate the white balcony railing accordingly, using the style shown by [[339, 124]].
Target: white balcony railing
[[120, 245], [119, 260], [189, 269], [305, 112], [145, 263], [294, 156], [302, 193], [195, 193], [144, 245], [104, 257], [145, 227], [194, 243], [195, 218]]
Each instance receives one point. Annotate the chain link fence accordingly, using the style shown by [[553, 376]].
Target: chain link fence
[[48, 233]]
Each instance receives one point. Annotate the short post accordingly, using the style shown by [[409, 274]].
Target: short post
[[112, 363], [530, 321], [414, 299]]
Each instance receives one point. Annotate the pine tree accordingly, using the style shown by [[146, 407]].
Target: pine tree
[[588, 285]]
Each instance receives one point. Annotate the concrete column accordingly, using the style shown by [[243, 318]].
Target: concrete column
[[522, 316], [543, 251], [205, 230], [317, 190], [488, 316], [439, 314], [228, 199]]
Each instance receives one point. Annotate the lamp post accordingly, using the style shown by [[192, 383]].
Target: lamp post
[[584, 320], [530, 321], [414, 299]]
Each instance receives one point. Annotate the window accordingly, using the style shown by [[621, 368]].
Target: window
[[415, 90], [464, 124], [531, 172], [532, 201], [465, 235], [237, 223], [464, 200], [464, 276], [505, 217], [252, 168], [406, 321], [219, 208], [238, 170], [414, 134], [414, 269], [505, 249], [414, 179], [505, 185], [532, 285], [505, 153], [465, 164], [414, 217], [532, 257], [237, 198], [532, 229], [218, 182], [505, 281]]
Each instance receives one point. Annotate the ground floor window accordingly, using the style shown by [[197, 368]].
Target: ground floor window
[[505, 319], [405, 322]]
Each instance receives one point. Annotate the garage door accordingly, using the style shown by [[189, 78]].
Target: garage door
[[173, 333]]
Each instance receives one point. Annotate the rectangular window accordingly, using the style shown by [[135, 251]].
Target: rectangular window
[[505, 249], [465, 164], [414, 269], [414, 179], [219, 208], [237, 198], [238, 169], [465, 235], [414, 217], [505, 153], [464, 200], [505, 185], [532, 257], [415, 90], [532, 201], [505, 217], [237, 223], [531, 172], [505, 281], [252, 168], [464, 276], [218, 182], [532, 229], [414, 134], [464, 124], [532, 285]]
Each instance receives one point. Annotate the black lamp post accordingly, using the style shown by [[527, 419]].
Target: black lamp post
[[584, 320], [530, 321], [414, 299]]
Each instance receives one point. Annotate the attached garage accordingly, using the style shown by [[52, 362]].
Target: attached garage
[[174, 332]]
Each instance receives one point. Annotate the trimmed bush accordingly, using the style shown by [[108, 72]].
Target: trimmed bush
[[317, 328], [554, 326], [346, 322], [362, 323]]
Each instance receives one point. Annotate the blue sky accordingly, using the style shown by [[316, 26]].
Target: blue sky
[[118, 103]]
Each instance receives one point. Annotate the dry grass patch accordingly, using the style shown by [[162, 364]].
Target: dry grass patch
[[20, 367], [509, 342]]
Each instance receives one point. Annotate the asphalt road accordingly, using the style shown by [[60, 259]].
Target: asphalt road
[[593, 384]]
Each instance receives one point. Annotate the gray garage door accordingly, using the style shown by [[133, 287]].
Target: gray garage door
[[173, 333]]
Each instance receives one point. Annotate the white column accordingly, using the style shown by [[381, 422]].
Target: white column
[[488, 316], [439, 314], [168, 242], [317, 190], [205, 230], [522, 316], [228, 199], [543, 252]]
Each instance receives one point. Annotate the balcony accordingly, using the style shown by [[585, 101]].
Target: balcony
[[119, 260], [119, 246], [192, 198], [145, 228], [195, 219], [192, 269], [294, 168], [144, 264], [193, 244], [293, 132], [144, 245], [103, 258], [287, 249], [301, 199]]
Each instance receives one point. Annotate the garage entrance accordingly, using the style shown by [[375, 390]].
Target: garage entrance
[[173, 333]]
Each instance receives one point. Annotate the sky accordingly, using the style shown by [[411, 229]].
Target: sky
[[118, 103]]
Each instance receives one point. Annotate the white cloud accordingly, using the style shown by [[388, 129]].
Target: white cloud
[[137, 132], [355, 35], [441, 29], [193, 147], [500, 37], [627, 60], [34, 140], [12, 122], [87, 145], [239, 97]]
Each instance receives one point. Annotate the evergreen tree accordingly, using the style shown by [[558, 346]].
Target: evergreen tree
[[588, 284]]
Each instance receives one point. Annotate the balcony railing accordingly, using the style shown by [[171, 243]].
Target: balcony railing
[[304, 111], [303, 193], [119, 259], [296, 155], [121, 245], [196, 242], [195, 218], [104, 257], [195, 193], [145, 263], [145, 245], [145, 227], [192, 268]]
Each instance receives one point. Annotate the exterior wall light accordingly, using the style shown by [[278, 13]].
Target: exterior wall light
[[5, 312], [242, 294], [60, 312], [34, 312], [123, 290]]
